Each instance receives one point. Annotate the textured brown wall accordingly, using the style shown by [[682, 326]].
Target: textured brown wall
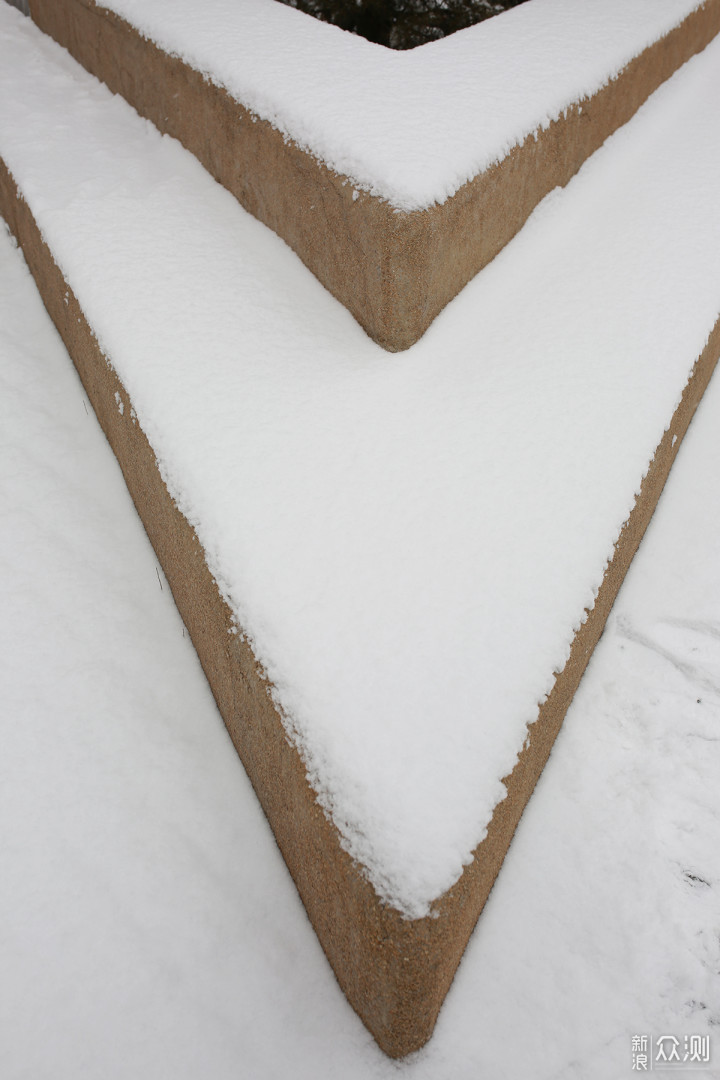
[[394, 271]]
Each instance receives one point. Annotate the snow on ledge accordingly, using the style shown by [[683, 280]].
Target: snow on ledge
[[409, 543], [411, 127]]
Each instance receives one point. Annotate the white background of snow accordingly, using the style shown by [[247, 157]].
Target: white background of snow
[[148, 926], [410, 541], [409, 126]]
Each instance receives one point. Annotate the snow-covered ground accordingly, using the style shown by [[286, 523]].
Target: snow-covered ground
[[148, 927]]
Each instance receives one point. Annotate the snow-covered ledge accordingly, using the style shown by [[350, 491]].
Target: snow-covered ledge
[[394, 571], [394, 176]]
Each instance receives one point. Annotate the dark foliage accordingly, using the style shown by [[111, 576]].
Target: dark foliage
[[403, 24]]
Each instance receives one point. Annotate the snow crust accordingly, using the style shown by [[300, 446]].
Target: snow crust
[[411, 127], [143, 902], [409, 542]]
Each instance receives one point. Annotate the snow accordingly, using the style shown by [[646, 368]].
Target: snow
[[368, 111], [410, 542], [148, 926]]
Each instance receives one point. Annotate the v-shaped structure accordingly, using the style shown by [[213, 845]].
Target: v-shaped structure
[[395, 177], [394, 569]]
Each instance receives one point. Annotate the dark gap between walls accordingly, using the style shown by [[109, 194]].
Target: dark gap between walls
[[403, 24]]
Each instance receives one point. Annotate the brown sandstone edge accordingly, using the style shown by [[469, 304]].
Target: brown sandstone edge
[[395, 972], [394, 271]]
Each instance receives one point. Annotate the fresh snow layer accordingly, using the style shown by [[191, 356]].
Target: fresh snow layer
[[409, 542], [148, 927], [411, 127]]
